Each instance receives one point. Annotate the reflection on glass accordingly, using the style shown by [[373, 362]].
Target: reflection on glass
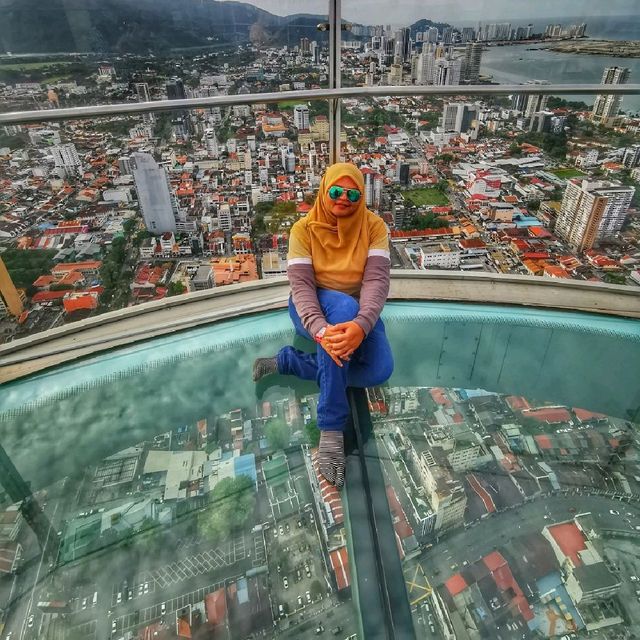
[[515, 509], [165, 493]]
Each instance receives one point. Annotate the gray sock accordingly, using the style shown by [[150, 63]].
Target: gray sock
[[331, 457], [263, 367]]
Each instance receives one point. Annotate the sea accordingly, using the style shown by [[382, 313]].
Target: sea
[[518, 63]]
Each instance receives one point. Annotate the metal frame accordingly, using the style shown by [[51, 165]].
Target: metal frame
[[73, 113], [335, 39]]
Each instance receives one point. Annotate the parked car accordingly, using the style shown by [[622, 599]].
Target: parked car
[[285, 582], [163, 608], [308, 596]]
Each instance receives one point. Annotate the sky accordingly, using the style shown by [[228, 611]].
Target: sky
[[402, 12]]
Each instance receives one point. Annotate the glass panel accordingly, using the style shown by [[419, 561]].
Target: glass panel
[[510, 469], [157, 52], [107, 213], [158, 487], [475, 184]]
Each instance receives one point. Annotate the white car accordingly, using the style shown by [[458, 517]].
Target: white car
[[30, 622], [163, 608], [119, 597], [84, 604], [146, 587], [281, 530], [613, 512], [114, 626], [285, 582], [308, 596]]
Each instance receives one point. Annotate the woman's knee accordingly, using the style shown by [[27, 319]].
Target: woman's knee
[[338, 306], [383, 371]]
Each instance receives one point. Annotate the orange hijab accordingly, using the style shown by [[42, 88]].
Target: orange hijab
[[339, 245]]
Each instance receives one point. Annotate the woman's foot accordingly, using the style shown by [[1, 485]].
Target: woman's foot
[[263, 367], [331, 457]]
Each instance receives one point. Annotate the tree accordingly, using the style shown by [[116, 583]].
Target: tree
[[232, 501], [316, 589], [428, 221], [278, 434], [176, 289], [313, 433]]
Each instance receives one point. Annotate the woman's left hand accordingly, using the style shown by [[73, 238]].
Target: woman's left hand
[[345, 338]]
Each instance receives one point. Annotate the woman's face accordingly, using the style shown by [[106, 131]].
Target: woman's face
[[342, 207]]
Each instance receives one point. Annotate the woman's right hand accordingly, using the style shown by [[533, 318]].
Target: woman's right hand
[[328, 347]]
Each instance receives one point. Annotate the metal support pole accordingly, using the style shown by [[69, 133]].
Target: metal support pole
[[335, 37], [19, 491]]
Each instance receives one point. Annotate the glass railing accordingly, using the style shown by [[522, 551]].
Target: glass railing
[[510, 477], [491, 485], [164, 491]]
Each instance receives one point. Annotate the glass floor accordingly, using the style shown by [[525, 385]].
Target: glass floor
[[493, 488]]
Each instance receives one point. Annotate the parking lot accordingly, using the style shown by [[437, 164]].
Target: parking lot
[[155, 612], [87, 630], [295, 565], [190, 567]]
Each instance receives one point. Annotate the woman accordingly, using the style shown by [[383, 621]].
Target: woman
[[338, 266]]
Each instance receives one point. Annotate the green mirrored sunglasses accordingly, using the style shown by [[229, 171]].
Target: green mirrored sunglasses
[[336, 192]]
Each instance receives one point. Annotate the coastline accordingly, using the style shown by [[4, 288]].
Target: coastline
[[614, 48]]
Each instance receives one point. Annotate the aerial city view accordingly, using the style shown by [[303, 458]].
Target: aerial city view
[[514, 517]]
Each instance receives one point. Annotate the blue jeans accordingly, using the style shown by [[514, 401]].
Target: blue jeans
[[371, 364]]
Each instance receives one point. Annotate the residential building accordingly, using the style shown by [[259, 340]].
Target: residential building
[[591, 211], [606, 107], [301, 116], [203, 278], [471, 62], [459, 117], [66, 159], [273, 265]]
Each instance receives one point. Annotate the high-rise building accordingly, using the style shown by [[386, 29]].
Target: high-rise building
[[468, 34], [213, 148], [608, 106], [592, 211], [301, 117], [66, 158], [426, 64], [305, 46], [315, 52], [631, 158], [459, 117], [447, 71], [535, 101], [431, 35], [175, 89], [471, 62], [142, 91], [125, 165], [447, 35], [9, 296], [541, 122], [154, 195], [290, 162]]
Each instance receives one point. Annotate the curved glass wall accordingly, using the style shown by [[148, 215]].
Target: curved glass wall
[[157, 486]]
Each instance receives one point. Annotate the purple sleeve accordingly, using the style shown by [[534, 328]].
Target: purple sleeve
[[305, 299], [374, 291]]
